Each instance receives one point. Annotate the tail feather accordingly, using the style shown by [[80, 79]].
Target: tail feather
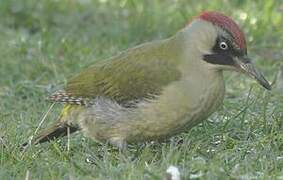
[[58, 129], [54, 132]]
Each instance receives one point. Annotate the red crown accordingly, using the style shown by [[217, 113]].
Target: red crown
[[227, 24]]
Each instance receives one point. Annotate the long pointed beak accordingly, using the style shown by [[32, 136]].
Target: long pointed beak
[[245, 65]]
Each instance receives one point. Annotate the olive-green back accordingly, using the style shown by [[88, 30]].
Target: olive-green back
[[135, 74]]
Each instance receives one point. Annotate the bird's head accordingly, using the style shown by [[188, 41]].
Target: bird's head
[[222, 45]]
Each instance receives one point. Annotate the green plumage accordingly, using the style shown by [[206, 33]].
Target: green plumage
[[135, 74]]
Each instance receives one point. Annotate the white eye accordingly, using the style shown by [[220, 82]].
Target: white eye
[[223, 46]]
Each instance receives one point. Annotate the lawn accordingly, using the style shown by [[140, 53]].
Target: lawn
[[43, 43]]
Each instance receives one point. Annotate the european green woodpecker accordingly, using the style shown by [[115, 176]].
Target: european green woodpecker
[[155, 90]]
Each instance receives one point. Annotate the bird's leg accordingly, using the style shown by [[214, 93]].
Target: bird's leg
[[122, 145], [119, 143]]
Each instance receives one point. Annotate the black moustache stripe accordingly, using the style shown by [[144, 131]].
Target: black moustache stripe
[[221, 59]]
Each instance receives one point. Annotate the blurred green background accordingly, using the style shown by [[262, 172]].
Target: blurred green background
[[43, 43]]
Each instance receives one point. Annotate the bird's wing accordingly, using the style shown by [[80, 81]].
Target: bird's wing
[[135, 74]]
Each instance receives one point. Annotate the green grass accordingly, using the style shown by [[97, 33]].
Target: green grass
[[43, 43]]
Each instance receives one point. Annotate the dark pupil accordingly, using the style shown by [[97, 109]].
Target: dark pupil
[[223, 46]]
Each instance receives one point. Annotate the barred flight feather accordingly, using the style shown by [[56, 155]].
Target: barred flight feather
[[64, 97]]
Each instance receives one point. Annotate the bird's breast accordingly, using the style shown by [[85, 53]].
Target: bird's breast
[[181, 105]]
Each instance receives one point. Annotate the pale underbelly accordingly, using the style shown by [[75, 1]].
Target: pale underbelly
[[176, 120], [173, 113]]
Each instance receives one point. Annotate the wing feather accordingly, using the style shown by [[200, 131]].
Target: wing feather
[[135, 74]]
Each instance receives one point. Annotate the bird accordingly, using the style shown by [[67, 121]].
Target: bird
[[155, 90]]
